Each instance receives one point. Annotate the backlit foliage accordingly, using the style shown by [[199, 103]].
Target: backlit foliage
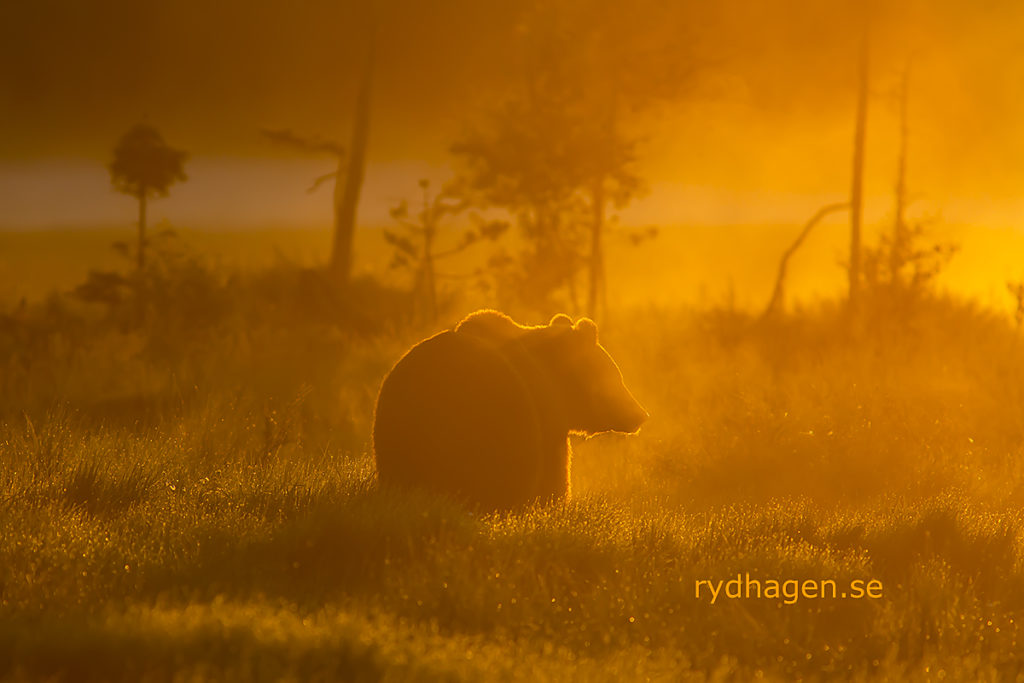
[[215, 510]]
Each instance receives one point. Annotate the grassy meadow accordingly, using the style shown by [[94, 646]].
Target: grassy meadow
[[187, 493]]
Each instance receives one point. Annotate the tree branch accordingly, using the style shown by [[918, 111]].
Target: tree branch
[[780, 279], [307, 144], [320, 180]]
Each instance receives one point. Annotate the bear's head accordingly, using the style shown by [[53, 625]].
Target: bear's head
[[595, 397]]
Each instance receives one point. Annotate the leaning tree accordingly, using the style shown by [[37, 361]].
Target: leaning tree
[[145, 167]]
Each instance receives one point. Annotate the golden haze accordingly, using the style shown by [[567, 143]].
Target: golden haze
[[192, 346]]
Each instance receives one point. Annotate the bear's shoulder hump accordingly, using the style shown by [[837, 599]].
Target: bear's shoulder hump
[[491, 326]]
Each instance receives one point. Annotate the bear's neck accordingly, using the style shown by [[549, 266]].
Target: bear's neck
[[541, 381]]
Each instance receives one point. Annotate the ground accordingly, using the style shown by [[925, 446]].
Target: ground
[[210, 511]]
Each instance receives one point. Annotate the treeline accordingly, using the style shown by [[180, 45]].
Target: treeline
[[559, 151]]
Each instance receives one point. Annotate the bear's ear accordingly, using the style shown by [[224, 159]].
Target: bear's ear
[[560, 319], [587, 329]]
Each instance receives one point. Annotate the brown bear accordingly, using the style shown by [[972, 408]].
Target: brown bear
[[483, 412]]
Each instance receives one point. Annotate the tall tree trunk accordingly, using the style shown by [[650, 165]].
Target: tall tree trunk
[[346, 195], [594, 295], [570, 283], [142, 231], [430, 278], [857, 185], [898, 254]]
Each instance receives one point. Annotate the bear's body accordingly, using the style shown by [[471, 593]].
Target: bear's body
[[483, 412]]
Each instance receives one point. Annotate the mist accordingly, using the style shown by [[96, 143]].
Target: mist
[[511, 340], [769, 109]]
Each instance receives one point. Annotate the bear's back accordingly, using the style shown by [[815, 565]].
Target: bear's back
[[491, 326], [456, 415]]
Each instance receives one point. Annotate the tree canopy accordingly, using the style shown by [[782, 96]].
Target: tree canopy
[[144, 165]]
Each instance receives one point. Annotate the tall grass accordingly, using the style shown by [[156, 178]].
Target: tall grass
[[209, 510]]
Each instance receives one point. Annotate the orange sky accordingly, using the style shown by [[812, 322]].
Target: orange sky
[[763, 134]]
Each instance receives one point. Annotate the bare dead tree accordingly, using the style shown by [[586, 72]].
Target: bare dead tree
[[1016, 290], [778, 293], [348, 173], [898, 255], [314, 145], [857, 183], [597, 295], [346, 195]]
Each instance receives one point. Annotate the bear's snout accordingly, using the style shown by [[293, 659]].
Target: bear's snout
[[631, 417], [639, 417]]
